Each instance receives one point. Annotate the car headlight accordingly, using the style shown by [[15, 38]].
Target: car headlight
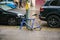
[[20, 15]]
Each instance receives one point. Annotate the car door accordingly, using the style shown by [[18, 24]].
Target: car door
[[56, 3], [3, 16]]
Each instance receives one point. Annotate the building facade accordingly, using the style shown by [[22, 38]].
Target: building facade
[[40, 2]]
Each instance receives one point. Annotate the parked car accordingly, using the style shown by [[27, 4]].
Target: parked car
[[50, 12], [9, 3], [10, 16]]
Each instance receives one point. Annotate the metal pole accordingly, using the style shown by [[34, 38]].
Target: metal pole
[[27, 13]]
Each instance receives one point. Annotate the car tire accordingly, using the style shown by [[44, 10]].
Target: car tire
[[12, 21], [53, 21]]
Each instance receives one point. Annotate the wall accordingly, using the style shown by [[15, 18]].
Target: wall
[[39, 3]]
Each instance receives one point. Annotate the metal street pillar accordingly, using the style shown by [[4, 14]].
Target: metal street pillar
[[27, 12]]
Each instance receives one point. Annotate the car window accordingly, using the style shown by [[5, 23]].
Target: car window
[[58, 3], [8, 0], [5, 7], [54, 3]]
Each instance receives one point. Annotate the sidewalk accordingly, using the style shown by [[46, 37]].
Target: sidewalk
[[8, 34]]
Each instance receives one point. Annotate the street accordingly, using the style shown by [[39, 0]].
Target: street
[[14, 33], [8, 32]]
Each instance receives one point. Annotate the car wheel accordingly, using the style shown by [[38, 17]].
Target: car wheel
[[12, 21], [53, 21]]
